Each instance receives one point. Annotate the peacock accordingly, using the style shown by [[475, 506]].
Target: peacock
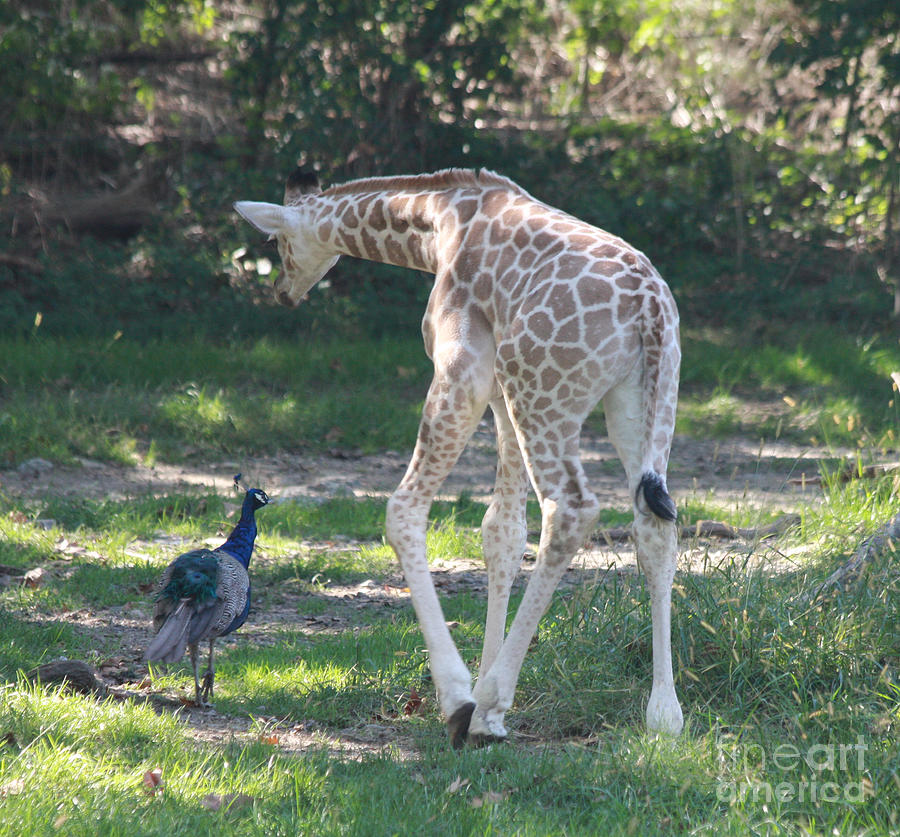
[[204, 594]]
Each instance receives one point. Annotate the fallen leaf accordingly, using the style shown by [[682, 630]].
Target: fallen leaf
[[60, 821], [69, 548], [458, 784], [153, 781], [414, 706], [216, 801], [18, 517], [489, 798], [269, 739]]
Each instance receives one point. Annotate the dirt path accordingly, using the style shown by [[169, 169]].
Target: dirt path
[[733, 470]]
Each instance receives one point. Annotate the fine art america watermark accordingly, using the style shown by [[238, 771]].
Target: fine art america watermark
[[818, 774]]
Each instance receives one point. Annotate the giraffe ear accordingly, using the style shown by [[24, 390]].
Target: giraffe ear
[[269, 218]]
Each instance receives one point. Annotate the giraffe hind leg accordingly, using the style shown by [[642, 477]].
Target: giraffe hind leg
[[656, 545]]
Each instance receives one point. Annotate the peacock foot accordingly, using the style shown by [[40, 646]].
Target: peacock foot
[[204, 696]]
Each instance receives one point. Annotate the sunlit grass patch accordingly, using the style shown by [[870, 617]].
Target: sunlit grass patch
[[338, 680], [122, 401], [817, 384], [351, 517], [79, 766]]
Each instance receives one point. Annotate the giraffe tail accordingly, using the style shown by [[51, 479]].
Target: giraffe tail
[[662, 360], [657, 498]]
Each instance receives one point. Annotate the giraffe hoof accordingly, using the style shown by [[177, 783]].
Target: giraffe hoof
[[486, 739], [458, 725]]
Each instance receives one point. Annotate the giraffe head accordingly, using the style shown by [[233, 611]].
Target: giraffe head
[[305, 260]]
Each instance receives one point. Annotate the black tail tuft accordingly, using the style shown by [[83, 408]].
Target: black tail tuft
[[656, 496]]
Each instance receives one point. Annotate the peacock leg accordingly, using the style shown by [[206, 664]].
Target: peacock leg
[[198, 694], [209, 676]]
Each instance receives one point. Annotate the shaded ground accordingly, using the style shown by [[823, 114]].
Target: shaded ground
[[736, 469], [736, 472]]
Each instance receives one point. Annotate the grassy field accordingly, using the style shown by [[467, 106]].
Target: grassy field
[[325, 719], [124, 401]]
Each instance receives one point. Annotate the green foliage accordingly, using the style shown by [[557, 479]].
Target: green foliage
[[69, 81], [743, 214], [387, 63], [853, 49]]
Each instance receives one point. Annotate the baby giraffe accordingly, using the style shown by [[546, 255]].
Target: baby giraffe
[[540, 316]]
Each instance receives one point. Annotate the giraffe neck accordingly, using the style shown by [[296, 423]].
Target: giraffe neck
[[398, 227]]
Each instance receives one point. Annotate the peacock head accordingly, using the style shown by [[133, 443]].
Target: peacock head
[[257, 498], [305, 259], [254, 498]]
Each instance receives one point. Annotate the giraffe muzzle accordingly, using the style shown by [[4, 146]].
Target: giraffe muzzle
[[284, 298]]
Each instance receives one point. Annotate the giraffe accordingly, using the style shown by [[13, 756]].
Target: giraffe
[[540, 316]]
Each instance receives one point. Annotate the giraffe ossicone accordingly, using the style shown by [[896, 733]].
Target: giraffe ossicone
[[540, 316]]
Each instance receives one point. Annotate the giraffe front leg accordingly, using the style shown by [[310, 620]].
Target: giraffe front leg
[[566, 524], [405, 525], [455, 403]]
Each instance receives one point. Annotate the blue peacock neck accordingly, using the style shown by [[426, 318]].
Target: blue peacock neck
[[240, 541]]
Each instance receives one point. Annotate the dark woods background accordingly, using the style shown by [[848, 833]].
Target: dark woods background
[[751, 149]]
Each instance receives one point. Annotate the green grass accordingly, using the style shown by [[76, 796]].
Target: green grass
[[818, 385], [792, 706], [123, 401]]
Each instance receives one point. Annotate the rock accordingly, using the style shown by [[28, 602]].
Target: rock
[[74, 674], [34, 468]]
